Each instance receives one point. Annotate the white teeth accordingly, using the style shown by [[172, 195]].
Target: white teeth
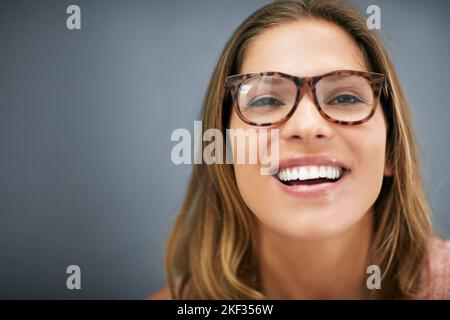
[[322, 172], [294, 174], [313, 173], [330, 172], [303, 173], [309, 172]]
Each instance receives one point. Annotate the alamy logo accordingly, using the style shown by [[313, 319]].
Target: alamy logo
[[73, 22], [74, 280], [374, 280], [374, 20], [249, 146]]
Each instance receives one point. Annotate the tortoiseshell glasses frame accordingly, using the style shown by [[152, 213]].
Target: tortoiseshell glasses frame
[[377, 82]]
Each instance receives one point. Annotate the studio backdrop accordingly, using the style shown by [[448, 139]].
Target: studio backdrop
[[87, 109]]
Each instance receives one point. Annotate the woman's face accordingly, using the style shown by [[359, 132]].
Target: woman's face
[[309, 48]]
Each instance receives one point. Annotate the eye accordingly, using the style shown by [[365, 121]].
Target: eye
[[265, 101], [345, 99]]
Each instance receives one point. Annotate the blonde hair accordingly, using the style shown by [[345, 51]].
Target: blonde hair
[[211, 249]]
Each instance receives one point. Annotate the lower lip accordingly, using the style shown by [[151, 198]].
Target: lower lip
[[313, 190]]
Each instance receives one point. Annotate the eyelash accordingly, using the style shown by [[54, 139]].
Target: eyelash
[[358, 100], [272, 99]]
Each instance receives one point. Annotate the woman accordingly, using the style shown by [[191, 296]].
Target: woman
[[347, 195]]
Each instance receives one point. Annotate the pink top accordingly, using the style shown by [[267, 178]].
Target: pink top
[[438, 274]]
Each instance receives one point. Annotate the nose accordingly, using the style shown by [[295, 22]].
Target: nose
[[307, 125]]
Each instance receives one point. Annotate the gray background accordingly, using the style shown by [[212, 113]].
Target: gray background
[[86, 118]]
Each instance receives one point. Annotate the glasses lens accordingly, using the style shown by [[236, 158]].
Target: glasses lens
[[345, 98], [266, 99]]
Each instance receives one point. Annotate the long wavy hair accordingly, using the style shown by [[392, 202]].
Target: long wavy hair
[[211, 253]]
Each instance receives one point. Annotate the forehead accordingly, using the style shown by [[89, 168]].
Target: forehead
[[306, 48]]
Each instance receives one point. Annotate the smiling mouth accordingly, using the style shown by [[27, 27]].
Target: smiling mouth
[[310, 175]]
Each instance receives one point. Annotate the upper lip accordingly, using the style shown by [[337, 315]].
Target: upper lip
[[301, 160]]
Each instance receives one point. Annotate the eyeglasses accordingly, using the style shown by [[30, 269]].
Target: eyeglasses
[[270, 98]]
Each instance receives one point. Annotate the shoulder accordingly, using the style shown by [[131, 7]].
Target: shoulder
[[437, 273], [162, 294]]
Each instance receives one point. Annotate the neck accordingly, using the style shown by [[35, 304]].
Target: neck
[[322, 269]]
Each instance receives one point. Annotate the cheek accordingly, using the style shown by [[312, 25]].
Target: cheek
[[252, 185], [255, 190], [368, 145]]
